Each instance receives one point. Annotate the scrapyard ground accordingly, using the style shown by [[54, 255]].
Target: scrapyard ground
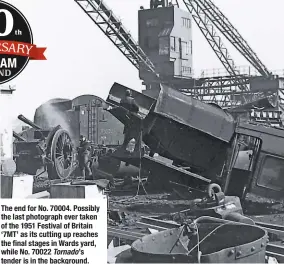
[[259, 209], [153, 204]]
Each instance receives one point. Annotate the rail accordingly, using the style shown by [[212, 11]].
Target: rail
[[123, 234]]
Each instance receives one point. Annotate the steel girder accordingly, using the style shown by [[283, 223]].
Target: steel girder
[[231, 33], [201, 18]]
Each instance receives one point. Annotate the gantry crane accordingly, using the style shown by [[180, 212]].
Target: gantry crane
[[222, 90]]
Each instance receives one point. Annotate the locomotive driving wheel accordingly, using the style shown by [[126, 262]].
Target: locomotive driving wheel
[[62, 154]]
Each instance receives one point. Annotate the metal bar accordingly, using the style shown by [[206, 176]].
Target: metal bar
[[19, 137], [158, 222], [141, 224], [272, 226], [279, 257], [123, 234], [275, 248]]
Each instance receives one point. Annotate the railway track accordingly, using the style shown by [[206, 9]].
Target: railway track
[[271, 228], [275, 251], [272, 249]]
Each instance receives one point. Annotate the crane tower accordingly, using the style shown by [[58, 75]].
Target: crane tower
[[165, 36]]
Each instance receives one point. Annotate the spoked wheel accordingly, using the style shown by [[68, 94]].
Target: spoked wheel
[[62, 154]]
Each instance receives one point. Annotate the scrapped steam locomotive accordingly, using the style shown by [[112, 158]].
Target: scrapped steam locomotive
[[202, 143], [50, 150], [84, 115]]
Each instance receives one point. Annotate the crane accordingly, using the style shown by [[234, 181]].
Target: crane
[[208, 17]]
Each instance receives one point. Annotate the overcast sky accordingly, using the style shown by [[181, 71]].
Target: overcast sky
[[81, 60]]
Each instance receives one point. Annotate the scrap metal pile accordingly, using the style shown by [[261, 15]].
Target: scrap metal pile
[[204, 240], [214, 230], [199, 144], [50, 151], [179, 142]]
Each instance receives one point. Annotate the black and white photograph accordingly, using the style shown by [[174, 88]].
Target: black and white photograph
[[170, 110]]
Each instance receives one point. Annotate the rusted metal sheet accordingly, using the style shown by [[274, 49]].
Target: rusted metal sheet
[[209, 119]]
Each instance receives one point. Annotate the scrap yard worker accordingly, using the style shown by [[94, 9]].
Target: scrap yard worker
[[84, 155], [128, 102]]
